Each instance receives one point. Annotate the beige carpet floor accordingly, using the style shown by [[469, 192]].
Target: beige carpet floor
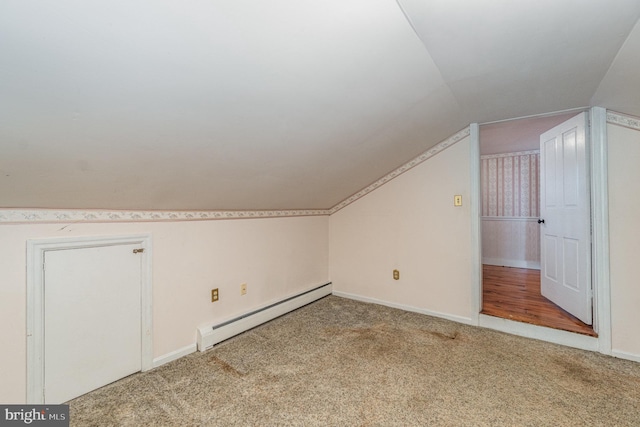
[[339, 362]]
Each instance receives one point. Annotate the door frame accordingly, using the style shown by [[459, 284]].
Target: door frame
[[600, 285], [36, 250]]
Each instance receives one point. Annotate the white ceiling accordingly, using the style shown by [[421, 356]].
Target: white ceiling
[[279, 104]]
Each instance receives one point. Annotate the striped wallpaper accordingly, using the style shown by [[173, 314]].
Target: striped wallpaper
[[510, 183]]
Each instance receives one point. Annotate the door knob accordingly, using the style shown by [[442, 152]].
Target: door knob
[[541, 221]]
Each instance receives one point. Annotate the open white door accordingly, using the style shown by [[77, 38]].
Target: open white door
[[565, 218]]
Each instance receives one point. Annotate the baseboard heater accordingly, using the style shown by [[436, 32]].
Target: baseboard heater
[[210, 335]]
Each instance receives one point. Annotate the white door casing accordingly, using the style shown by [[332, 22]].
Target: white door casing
[[116, 325], [565, 233], [600, 255]]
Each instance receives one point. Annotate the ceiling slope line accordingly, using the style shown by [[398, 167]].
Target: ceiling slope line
[[441, 146], [615, 59], [410, 22], [538, 116], [20, 216], [422, 42]]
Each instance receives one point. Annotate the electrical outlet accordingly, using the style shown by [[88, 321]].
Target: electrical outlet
[[243, 289], [396, 275], [214, 295], [457, 200]]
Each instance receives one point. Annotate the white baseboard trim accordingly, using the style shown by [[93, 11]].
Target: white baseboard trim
[[404, 307], [533, 265], [569, 339], [175, 355], [209, 335], [625, 355]]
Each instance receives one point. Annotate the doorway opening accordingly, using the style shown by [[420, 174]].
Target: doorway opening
[[511, 224]]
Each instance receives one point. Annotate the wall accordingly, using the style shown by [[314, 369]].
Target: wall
[[511, 242], [276, 257], [410, 224], [510, 208], [510, 184], [624, 237]]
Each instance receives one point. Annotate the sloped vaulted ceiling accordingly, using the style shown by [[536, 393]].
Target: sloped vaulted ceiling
[[278, 104]]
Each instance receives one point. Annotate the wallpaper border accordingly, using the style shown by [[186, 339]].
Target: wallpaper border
[[19, 216], [623, 120], [52, 215], [460, 135]]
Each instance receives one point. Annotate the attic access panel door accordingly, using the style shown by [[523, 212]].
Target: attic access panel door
[[565, 231], [92, 319]]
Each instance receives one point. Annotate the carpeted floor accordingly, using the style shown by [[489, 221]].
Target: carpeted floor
[[338, 362]]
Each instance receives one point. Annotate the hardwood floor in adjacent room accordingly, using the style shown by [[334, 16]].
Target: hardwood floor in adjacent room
[[514, 294]]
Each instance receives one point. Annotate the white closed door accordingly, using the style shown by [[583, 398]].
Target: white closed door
[[565, 209], [92, 319]]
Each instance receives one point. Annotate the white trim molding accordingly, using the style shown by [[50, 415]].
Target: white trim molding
[[175, 355], [476, 225], [17, 216], [510, 218], [404, 168], [556, 336], [515, 263], [625, 355], [515, 153], [36, 250], [601, 283], [623, 120], [452, 317]]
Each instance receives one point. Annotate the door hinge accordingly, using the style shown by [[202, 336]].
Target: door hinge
[[138, 251]]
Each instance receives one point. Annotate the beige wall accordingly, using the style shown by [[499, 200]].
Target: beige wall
[[410, 224], [624, 237], [276, 257]]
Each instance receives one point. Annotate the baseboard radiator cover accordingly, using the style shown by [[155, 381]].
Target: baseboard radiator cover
[[210, 335]]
